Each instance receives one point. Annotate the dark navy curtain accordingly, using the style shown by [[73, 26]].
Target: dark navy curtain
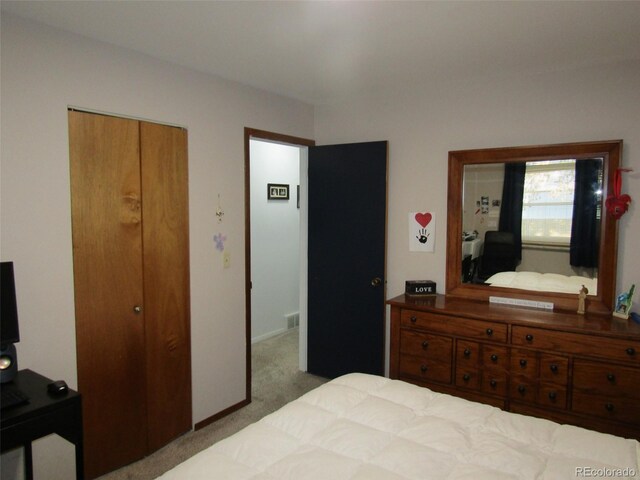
[[511, 207], [585, 234]]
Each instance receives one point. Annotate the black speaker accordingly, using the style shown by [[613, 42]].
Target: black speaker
[[8, 362]]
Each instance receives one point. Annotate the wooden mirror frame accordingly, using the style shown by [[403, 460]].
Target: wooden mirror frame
[[610, 151]]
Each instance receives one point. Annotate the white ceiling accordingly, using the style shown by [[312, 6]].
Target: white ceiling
[[322, 51]]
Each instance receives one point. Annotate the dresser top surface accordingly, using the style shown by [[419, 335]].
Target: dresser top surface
[[533, 317]]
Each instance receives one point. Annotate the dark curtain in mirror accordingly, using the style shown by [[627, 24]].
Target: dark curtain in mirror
[[585, 237], [511, 206]]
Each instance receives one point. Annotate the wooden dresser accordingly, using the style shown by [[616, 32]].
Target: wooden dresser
[[570, 368]]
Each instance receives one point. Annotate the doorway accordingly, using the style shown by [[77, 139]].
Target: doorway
[[345, 192], [275, 238]]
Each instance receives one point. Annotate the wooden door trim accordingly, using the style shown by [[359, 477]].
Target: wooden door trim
[[250, 133], [75, 108]]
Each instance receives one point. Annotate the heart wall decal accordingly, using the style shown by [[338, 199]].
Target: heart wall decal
[[422, 231], [423, 219]]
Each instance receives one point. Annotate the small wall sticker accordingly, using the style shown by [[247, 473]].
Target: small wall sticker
[[219, 240], [422, 232]]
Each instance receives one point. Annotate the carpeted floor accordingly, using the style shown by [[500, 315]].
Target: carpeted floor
[[276, 381]]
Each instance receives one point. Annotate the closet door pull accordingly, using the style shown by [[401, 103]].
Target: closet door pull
[[137, 309]]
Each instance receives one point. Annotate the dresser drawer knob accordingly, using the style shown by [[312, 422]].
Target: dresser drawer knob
[[609, 407], [631, 351], [611, 377], [425, 345], [523, 362], [493, 383], [413, 319], [554, 368], [529, 337], [466, 377], [423, 368], [522, 389], [553, 396], [489, 331], [494, 358], [467, 352]]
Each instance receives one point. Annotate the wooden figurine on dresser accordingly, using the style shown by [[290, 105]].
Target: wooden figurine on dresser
[[515, 340], [582, 300]]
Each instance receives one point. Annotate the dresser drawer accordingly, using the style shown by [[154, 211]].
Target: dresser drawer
[[494, 382], [495, 357], [576, 343], [606, 379], [426, 345], [523, 390], [606, 390], [524, 364], [554, 369], [425, 368], [551, 395], [467, 378], [478, 329], [619, 409], [467, 354]]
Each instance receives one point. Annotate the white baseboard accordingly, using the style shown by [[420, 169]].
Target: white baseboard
[[267, 335]]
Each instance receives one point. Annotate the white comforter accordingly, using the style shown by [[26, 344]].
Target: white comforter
[[367, 428], [543, 282]]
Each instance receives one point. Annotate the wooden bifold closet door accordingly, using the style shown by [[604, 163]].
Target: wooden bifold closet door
[[131, 274]]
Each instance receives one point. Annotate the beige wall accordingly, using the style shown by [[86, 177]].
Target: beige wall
[[44, 71], [424, 122], [482, 181]]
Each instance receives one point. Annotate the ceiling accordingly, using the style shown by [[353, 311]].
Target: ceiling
[[320, 52]]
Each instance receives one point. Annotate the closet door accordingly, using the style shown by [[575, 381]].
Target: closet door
[[131, 266], [108, 278], [166, 281]]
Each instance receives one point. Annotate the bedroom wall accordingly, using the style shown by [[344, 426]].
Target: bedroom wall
[[45, 70], [484, 181], [423, 122], [275, 239]]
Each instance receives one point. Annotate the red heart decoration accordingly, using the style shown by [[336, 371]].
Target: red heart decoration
[[423, 219]]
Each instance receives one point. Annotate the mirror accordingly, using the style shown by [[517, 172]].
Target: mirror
[[558, 224], [542, 256]]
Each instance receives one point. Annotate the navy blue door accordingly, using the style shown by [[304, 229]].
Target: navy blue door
[[347, 244]]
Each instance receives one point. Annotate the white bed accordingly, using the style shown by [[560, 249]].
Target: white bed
[[543, 282], [368, 428]]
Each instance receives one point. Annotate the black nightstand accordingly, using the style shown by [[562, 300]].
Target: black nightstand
[[44, 414]]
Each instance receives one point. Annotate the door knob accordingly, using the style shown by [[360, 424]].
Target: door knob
[[137, 309], [376, 282]]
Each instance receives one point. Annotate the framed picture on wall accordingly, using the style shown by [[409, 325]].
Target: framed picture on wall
[[277, 191]]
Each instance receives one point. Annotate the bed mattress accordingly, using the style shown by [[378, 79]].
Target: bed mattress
[[366, 427], [543, 282]]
